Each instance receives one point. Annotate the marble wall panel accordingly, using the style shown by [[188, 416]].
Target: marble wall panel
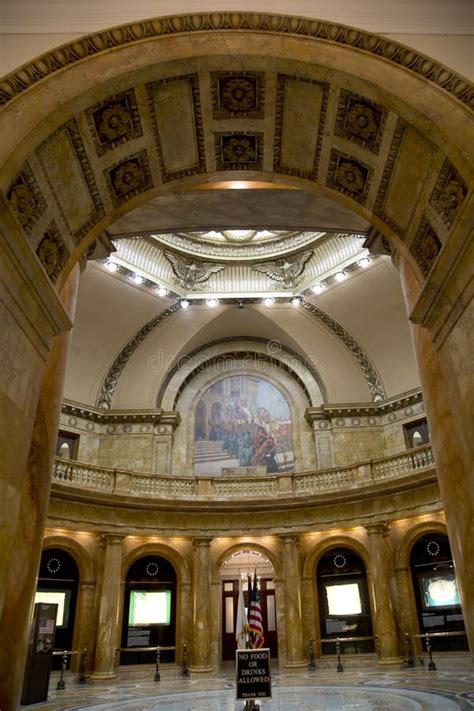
[[126, 452], [356, 445]]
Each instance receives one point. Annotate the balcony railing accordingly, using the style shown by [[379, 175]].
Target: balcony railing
[[90, 477]]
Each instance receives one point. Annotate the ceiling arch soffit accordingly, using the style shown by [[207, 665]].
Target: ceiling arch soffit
[[276, 354], [374, 383], [120, 151]]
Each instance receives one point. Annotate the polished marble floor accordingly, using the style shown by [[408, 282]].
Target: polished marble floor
[[407, 690]]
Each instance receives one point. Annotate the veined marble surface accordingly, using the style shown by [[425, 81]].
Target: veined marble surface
[[407, 690]]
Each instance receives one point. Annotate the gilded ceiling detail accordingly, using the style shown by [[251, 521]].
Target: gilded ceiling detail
[[360, 120], [191, 273], [425, 246], [114, 121], [238, 95], [285, 271], [449, 193], [129, 177], [26, 199], [52, 252]]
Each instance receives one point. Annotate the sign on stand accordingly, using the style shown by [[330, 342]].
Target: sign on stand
[[253, 675]]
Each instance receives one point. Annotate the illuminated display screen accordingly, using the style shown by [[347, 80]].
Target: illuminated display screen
[[149, 608], [440, 591], [59, 598], [344, 599]]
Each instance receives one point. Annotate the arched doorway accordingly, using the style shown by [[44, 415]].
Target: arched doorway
[[344, 607], [436, 594], [235, 572], [58, 582], [149, 611]]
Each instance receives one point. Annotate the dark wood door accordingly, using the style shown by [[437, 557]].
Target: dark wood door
[[230, 600]]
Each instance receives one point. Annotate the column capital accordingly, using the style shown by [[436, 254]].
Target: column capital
[[381, 528], [202, 541], [107, 538], [286, 538]]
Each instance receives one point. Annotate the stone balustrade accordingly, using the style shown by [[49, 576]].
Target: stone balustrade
[[89, 477]]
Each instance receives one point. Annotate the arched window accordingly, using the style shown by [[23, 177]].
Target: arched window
[[344, 608]]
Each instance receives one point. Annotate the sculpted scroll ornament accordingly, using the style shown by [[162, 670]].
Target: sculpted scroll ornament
[[190, 273], [285, 271]]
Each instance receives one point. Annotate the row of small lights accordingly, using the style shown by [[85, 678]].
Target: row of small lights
[[213, 301]]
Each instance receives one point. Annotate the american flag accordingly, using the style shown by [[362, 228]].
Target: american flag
[[255, 616]]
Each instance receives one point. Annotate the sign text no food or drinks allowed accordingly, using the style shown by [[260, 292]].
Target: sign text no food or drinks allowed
[[253, 674]]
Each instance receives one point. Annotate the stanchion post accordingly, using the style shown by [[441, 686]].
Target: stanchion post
[[157, 667], [339, 667], [83, 666], [312, 665], [409, 648], [250, 705], [431, 664], [116, 658], [377, 645], [184, 661], [61, 685]]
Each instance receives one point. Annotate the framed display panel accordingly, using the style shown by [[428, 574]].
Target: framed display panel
[[438, 590], [149, 607], [61, 598]]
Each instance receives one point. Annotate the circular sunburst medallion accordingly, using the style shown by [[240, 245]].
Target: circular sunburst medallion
[[339, 560], [432, 547], [53, 565], [152, 569]]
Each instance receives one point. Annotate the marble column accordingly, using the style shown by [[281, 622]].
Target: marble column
[[406, 609], [109, 605], [20, 576], [85, 622], [381, 572], [201, 652], [295, 656], [446, 373]]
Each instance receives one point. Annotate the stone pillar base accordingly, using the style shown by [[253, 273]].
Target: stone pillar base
[[300, 666], [102, 676], [201, 671], [390, 662]]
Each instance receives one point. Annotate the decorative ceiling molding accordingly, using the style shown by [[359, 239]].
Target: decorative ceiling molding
[[411, 61], [104, 399], [374, 384], [92, 414], [376, 389], [406, 402]]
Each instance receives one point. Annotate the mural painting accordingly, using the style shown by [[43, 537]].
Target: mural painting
[[242, 421]]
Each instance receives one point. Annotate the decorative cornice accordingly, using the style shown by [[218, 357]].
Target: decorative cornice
[[92, 414], [373, 381], [406, 58], [327, 412], [107, 390]]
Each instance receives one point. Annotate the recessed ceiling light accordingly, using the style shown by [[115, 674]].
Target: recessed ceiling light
[[364, 262], [296, 301], [318, 288], [137, 279], [268, 301], [184, 303], [161, 291], [340, 276], [212, 302], [111, 266]]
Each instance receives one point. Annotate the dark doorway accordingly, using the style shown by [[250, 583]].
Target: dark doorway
[[344, 608], [58, 582], [149, 613]]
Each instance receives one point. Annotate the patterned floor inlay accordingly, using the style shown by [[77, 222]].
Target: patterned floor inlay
[[408, 690]]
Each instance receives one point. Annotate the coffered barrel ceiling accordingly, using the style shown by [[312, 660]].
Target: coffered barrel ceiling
[[175, 103]]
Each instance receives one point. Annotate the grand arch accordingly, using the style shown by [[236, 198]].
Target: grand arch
[[98, 127]]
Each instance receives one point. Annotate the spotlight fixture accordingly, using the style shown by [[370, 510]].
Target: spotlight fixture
[[364, 262], [161, 291], [111, 266], [340, 276], [296, 301], [212, 302], [268, 301], [318, 288], [137, 279], [184, 303], [241, 304]]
